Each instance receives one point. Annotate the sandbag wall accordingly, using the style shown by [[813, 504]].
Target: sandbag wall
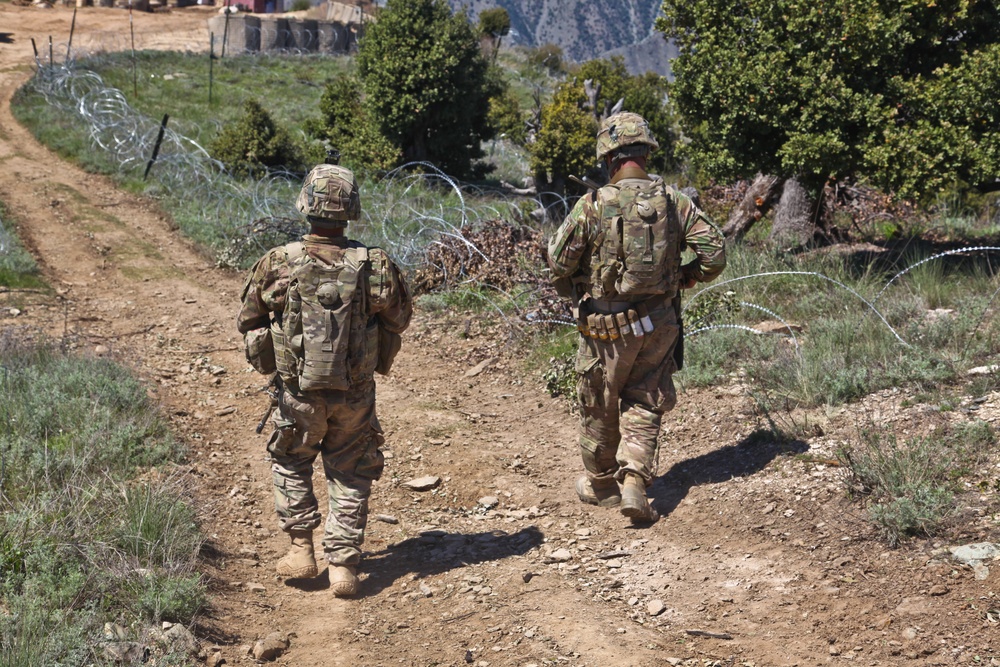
[[249, 33]]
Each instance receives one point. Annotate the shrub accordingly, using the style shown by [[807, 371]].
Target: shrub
[[910, 485], [255, 143]]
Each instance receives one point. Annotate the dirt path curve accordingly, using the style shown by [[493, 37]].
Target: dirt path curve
[[758, 559]]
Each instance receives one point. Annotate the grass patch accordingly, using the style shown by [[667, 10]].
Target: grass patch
[[92, 530], [909, 487], [929, 327], [17, 267]]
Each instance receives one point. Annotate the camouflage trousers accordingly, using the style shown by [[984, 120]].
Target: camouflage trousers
[[343, 429], [624, 387]]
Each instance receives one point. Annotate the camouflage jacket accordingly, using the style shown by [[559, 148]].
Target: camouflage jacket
[[266, 285], [572, 246]]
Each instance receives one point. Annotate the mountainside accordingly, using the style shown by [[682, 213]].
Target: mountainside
[[585, 29]]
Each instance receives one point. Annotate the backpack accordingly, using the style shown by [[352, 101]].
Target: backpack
[[324, 340], [638, 251]]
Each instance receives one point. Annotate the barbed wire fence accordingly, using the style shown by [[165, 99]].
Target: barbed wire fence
[[252, 216]]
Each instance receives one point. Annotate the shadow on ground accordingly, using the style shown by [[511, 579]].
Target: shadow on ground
[[430, 553], [751, 454]]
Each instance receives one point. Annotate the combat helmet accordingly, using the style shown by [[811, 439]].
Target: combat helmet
[[624, 129], [329, 193]]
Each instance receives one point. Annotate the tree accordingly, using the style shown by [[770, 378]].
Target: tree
[[494, 24], [564, 146], [254, 143], [427, 83], [565, 142], [345, 123], [901, 93]]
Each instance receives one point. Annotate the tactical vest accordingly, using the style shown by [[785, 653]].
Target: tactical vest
[[638, 250], [323, 340]]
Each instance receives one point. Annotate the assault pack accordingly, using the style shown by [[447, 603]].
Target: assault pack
[[322, 340], [638, 254]]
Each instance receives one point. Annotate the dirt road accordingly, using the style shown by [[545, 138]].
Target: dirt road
[[759, 558]]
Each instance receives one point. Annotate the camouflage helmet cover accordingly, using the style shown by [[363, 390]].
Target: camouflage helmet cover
[[330, 192], [624, 129]]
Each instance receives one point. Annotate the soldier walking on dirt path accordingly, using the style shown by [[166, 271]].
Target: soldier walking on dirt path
[[323, 315], [618, 256]]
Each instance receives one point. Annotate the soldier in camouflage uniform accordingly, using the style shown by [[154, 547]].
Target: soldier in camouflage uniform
[[325, 408], [620, 249]]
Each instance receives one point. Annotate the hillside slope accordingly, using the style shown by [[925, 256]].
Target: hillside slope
[[584, 29]]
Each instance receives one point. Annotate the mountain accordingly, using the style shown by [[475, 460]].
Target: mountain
[[586, 29]]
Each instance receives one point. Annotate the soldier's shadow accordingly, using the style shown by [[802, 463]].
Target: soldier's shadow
[[432, 552], [749, 455]]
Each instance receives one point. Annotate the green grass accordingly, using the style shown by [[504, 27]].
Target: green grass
[[17, 266], [910, 486], [94, 529], [177, 84], [845, 350]]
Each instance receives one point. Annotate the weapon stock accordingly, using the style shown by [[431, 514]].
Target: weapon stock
[[276, 383]]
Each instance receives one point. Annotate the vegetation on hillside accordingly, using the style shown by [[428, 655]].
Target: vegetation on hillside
[[427, 83], [17, 266], [902, 95], [95, 529]]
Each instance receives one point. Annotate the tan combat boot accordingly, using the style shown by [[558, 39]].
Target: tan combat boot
[[300, 561], [603, 495], [634, 504], [343, 580]]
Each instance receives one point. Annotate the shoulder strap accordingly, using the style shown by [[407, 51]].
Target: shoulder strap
[[295, 251]]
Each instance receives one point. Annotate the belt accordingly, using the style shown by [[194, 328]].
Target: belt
[[603, 307]]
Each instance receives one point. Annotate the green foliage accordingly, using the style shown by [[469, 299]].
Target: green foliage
[[495, 25], [81, 541], [564, 144], [427, 83], [506, 118], [548, 56], [346, 124], [494, 22], [910, 485], [156, 527], [17, 266], [841, 350], [161, 596], [255, 143], [901, 93], [300, 6]]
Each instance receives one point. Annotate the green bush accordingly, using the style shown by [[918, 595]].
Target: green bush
[[255, 143], [910, 486], [300, 6]]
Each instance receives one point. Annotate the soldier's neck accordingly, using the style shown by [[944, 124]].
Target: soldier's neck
[[329, 233], [629, 169]]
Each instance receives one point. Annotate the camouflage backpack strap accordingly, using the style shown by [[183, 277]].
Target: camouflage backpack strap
[[605, 264], [357, 254]]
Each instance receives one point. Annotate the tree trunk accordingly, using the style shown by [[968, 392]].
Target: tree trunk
[[755, 205], [795, 217]]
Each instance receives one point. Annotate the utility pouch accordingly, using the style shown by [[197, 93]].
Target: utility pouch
[[259, 349], [621, 319], [388, 347]]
